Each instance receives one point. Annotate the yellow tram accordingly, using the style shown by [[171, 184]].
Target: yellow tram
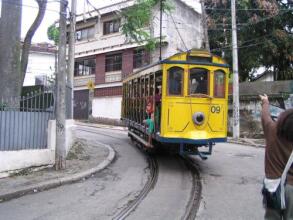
[[184, 98]]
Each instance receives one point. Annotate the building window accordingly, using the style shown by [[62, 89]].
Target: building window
[[113, 62], [140, 58], [85, 34], [111, 26], [85, 67]]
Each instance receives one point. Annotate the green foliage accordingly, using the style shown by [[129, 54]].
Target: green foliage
[[137, 22], [53, 33], [264, 35]]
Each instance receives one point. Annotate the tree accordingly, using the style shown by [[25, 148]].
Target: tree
[[264, 35], [13, 59], [53, 33], [137, 18], [10, 27]]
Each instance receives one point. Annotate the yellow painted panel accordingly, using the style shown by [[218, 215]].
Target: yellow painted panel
[[217, 116], [177, 117]]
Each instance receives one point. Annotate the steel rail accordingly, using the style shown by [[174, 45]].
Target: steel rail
[[152, 180], [195, 194], [153, 165]]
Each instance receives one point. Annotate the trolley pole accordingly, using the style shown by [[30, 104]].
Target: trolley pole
[[71, 51], [236, 126]]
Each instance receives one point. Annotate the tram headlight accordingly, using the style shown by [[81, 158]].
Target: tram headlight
[[198, 118]]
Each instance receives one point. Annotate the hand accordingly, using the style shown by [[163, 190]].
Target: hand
[[264, 98]]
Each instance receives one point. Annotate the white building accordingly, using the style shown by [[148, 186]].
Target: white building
[[104, 55], [41, 64]]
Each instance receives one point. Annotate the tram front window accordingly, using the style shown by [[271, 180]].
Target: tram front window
[[198, 81], [175, 81]]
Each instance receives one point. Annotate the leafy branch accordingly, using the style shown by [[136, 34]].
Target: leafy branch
[[137, 22]]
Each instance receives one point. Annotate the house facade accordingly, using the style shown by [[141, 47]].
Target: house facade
[[41, 64], [104, 56]]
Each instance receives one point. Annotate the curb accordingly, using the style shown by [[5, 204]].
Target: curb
[[245, 143], [60, 181], [92, 125]]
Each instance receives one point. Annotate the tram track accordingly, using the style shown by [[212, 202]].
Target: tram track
[[151, 182], [192, 205], [195, 195], [153, 165]]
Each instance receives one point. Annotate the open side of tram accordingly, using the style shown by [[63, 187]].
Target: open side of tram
[[180, 103]]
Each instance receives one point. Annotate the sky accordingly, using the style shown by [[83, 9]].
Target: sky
[[30, 10]]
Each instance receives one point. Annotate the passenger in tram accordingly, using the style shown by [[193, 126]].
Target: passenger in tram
[[202, 86], [149, 121], [198, 84], [174, 84], [158, 99], [193, 86]]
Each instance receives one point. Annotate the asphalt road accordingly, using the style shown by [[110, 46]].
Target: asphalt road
[[231, 180], [98, 197], [170, 196]]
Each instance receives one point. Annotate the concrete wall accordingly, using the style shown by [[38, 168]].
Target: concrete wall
[[182, 29], [107, 107], [14, 160], [250, 106]]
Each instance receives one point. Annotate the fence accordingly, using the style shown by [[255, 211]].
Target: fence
[[24, 121]]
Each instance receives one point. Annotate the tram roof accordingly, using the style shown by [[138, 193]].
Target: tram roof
[[194, 56]]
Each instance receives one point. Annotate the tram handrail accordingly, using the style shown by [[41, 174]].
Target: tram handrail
[[200, 95]]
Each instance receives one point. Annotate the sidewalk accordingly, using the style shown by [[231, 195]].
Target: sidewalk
[[83, 160], [248, 142], [104, 126]]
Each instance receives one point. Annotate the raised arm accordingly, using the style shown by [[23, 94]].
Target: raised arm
[[265, 112]]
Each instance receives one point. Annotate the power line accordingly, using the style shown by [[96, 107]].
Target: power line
[[28, 6], [244, 25], [247, 9], [239, 47], [178, 32], [97, 10]]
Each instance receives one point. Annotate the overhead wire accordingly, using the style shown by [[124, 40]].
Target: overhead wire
[[28, 6], [239, 47], [182, 40], [247, 9]]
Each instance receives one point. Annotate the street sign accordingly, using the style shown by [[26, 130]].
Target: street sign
[[91, 85]]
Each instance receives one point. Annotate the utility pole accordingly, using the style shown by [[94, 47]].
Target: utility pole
[[60, 102], [236, 126], [161, 18], [204, 25], [71, 51]]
